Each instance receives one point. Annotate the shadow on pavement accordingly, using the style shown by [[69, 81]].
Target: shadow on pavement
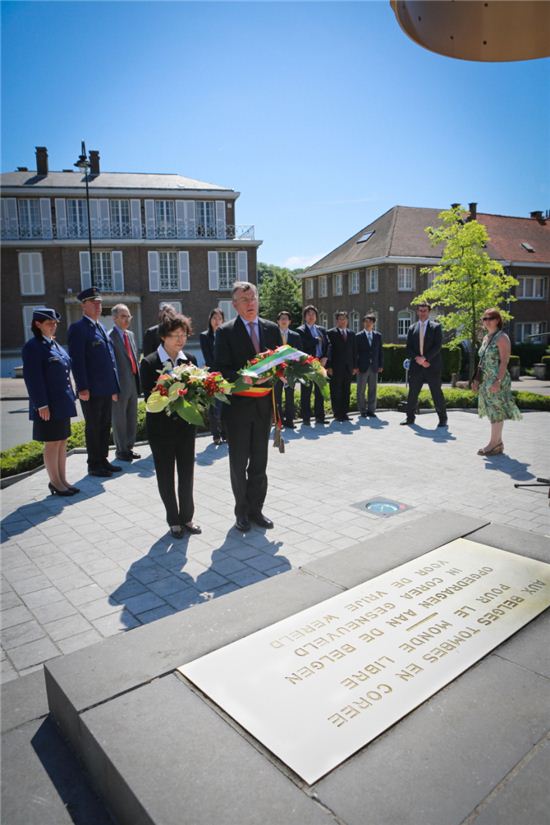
[[158, 584], [439, 435], [504, 464]]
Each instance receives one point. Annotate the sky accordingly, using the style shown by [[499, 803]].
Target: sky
[[323, 115]]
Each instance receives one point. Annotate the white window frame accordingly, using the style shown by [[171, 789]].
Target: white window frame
[[229, 311], [103, 270], [372, 279], [353, 282], [205, 219], [77, 217], [405, 278], [176, 304], [403, 316], [168, 260], [309, 289], [354, 320], [165, 219], [323, 319], [531, 288], [120, 218], [228, 270], [323, 286], [524, 328], [30, 221], [31, 273], [337, 284]]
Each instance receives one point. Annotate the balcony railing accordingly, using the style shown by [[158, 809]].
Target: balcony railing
[[129, 231]]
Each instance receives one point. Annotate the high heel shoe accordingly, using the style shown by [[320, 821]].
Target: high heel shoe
[[74, 490], [496, 450], [55, 492]]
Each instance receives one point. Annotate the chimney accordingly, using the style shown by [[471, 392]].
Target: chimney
[[94, 162], [41, 160], [473, 211], [537, 216], [454, 205]]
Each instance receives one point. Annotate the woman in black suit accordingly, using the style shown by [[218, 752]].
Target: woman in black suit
[[215, 320], [46, 371], [171, 438]]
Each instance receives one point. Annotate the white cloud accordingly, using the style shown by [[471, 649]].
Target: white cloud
[[301, 261]]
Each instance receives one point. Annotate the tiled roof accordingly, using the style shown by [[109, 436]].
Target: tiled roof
[[400, 233], [105, 180]]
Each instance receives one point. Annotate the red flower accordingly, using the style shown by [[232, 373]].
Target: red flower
[[182, 392]]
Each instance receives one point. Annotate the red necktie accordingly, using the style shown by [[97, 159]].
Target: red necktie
[[254, 336], [129, 352]]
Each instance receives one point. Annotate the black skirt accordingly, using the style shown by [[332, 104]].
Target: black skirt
[[56, 429]]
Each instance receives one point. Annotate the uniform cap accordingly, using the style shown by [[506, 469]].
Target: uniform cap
[[90, 294], [45, 314]]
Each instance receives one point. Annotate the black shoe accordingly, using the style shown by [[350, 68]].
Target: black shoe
[[372, 415], [289, 425], [101, 472], [346, 418], [408, 422], [193, 528], [320, 420], [134, 455], [113, 468], [177, 532], [217, 440], [306, 421], [124, 457], [75, 490], [242, 524], [442, 423], [261, 520], [55, 492], [364, 415]]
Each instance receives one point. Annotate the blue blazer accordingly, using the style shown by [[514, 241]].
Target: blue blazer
[[46, 370], [367, 355], [93, 358]]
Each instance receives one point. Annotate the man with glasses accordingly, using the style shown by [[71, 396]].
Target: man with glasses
[[248, 417], [124, 411], [424, 342]]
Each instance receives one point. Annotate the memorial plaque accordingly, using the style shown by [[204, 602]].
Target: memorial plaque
[[317, 686]]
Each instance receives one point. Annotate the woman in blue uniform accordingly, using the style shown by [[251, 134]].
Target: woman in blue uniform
[[46, 370]]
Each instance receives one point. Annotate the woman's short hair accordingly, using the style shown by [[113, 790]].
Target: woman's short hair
[[215, 311], [169, 323], [495, 312], [35, 331]]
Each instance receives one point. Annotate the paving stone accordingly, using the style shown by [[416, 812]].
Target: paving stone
[[263, 563], [69, 626], [20, 634], [10, 599], [14, 616], [209, 580], [184, 599], [115, 623], [40, 598], [167, 586], [81, 640], [33, 653], [82, 595], [100, 607], [7, 672], [156, 613], [147, 601]]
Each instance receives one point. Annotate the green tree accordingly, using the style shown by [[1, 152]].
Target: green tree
[[279, 288], [467, 280]]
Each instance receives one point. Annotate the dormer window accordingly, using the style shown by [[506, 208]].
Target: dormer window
[[364, 238]]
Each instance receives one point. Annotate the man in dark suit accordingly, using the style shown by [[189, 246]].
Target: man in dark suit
[[248, 417], [424, 342], [95, 374], [370, 363], [292, 338], [151, 339], [341, 365], [124, 411], [314, 342]]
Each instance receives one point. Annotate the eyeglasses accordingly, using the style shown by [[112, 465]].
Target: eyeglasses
[[489, 318]]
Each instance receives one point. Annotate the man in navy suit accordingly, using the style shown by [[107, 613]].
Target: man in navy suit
[[293, 339], [96, 378], [248, 417], [424, 342], [341, 365], [370, 363], [314, 342]]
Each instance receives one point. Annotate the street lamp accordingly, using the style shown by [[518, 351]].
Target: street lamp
[[83, 163]]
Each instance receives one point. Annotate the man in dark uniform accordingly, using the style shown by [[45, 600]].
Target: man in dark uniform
[[341, 365], [95, 373], [248, 417], [293, 339], [424, 342], [314, 342]]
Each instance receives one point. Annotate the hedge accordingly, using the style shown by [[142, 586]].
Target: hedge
[[529, 354], [395, 354], [29, 456]]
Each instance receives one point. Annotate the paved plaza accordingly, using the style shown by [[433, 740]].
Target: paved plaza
[[77, 570]]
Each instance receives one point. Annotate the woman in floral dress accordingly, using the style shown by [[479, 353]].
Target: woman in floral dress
[[495, 390]]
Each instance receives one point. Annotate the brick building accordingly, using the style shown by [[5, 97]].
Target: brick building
[[156, 238], [378, 269]]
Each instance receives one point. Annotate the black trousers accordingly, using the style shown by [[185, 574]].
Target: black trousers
[[248, 423], [417, 379], [340, 384], [170, 455], [305, 403], [97, 415], [287, 412]]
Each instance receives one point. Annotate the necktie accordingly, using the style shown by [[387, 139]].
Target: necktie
[[344, 334], [421, 339], [129, 352], [369, 336], [284, 336], [254, 336]]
